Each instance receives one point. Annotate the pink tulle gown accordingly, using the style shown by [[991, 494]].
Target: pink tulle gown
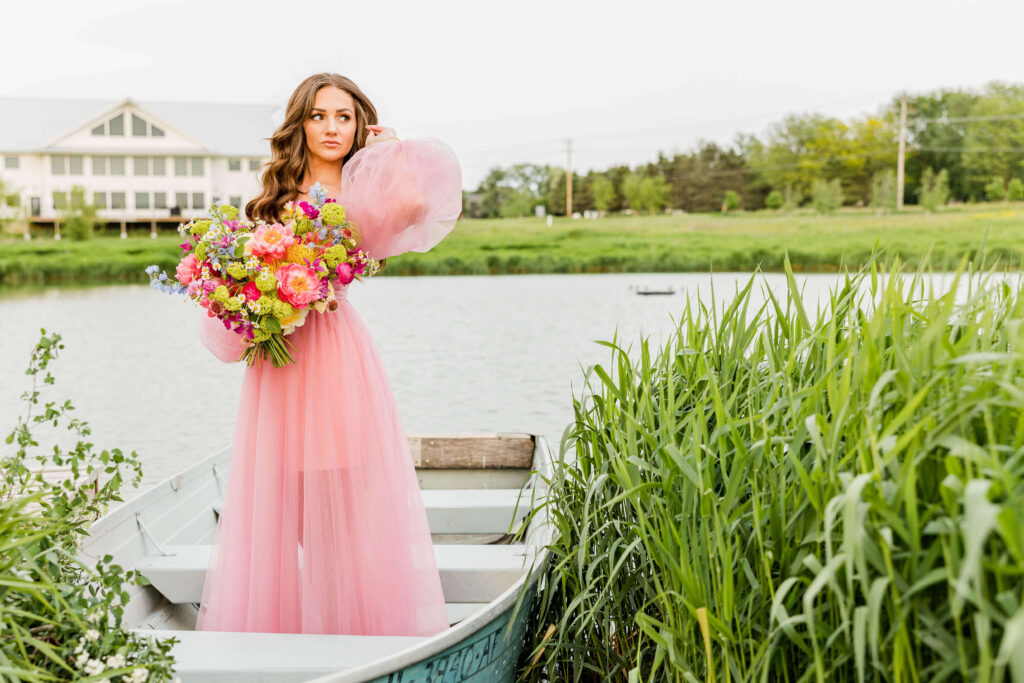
[[322, 528]]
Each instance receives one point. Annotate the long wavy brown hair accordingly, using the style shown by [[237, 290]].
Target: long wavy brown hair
[[289, 154]]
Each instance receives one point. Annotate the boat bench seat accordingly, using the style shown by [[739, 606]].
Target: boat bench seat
[[470, 511], [469, 573], [233, 657]]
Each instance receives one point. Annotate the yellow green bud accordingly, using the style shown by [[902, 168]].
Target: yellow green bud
[[333, 214], [266, 282], [233, 304], [229, 212], [200, 227], [220, 294], [237, 271]]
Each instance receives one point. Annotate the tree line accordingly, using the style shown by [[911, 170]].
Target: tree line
[[962, 145]]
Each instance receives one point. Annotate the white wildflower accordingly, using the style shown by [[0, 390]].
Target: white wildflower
[[94, 666], [82, 659], [94, 617], [80, 648], [115, 661], [92, 634], [137, 676]]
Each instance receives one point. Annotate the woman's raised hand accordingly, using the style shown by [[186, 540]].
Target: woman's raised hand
[[379, 134]]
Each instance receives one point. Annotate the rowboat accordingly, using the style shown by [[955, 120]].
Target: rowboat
[[478, 491]]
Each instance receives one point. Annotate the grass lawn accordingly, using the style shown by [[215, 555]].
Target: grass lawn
[[690, 242]]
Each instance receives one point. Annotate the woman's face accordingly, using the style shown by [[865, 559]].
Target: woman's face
[[331, 125]]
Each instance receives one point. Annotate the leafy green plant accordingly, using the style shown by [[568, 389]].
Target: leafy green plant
[[61, 619], [827, 196], [731, 201], [79, 218], [934, 189], [883, 191], [773, 201], [779, 495], [995, 189], [1015, 190]]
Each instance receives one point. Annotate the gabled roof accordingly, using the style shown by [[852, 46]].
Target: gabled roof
[[29, 124]]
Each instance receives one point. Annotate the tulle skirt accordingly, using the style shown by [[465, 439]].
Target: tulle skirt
[[322, 527]]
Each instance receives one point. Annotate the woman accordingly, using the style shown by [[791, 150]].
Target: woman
[[322, 528]]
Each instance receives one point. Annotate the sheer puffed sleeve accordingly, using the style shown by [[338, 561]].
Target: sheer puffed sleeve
[[402, 195], [223, 343]]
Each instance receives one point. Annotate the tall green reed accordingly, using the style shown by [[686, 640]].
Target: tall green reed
[[787, 495]]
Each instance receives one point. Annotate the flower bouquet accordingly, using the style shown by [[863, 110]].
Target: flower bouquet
[[261, 279]]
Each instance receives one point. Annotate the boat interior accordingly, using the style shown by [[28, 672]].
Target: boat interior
[[477, 490]]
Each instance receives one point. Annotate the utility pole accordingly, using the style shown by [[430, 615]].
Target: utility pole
[[568, 178], [902, 157]]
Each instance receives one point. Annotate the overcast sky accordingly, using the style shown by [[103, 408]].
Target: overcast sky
[[509, 82]]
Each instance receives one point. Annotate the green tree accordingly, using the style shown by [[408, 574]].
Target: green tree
[[731, 201], [827, 196], [883, 190], [604, 193], [995, 189], [790, 199], [934, 189], [1015, 190], [79, 219], [773, 200]]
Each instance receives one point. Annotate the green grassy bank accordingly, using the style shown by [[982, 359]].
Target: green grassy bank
[[695, 242]]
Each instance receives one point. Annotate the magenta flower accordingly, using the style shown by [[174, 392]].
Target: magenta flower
[[345, 272], [310, 210], [251, 291]]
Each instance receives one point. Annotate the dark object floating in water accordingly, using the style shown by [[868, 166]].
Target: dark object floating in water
[[646, 292]]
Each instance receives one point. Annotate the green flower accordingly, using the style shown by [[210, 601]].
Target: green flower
[[220, 294], [200, 251], [266, 303], [266, 281], [302, 226], [260, 335], [282, 309], [333, 214], [200, 227], [229, 212], [238, 271], [232, 304], [336, 254]]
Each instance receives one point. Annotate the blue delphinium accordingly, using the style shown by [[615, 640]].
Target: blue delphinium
[[318, 193]]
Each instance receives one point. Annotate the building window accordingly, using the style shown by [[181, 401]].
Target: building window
[[198, 202], [234, 164], [159, 167], [117, 125], [60, 200], [181, 200], [138, 125], [99, 130], [235, 201], [116, 165], [180, 166], [99, 200], [197, 166], [141, 200], [57, 165], [159, 200], [141, 165], [254, 164], [99, 166], [12, 162], [117, 200], [76, 165], [156, 132]]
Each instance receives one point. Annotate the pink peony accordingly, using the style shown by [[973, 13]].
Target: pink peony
[[297, 284], [187, 269], [271, 240], [251, 291], [345, 272]]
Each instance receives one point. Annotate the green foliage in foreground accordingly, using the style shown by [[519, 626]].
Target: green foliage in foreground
[[780, 495], [60, 619]]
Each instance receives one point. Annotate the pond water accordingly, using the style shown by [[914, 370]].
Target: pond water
[[464, 354]]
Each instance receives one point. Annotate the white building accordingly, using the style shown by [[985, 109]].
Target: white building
[[139, 162]]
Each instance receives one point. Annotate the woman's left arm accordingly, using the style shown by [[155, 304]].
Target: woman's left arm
[[402, 195]]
